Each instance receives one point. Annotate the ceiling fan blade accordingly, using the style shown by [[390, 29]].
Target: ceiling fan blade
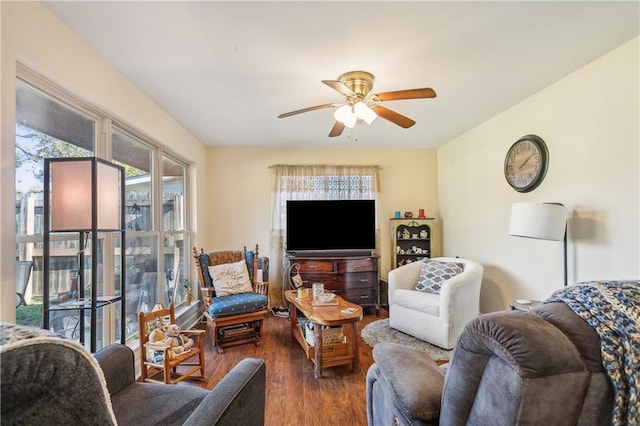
[[393, 116], [336, 130], [404, 94], [300, 111], [339, 87]]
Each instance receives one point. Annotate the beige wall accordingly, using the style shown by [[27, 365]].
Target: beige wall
[[240, 189], [589, 121], [35, 37]]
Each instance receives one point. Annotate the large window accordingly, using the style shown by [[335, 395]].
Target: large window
[[51, 123]]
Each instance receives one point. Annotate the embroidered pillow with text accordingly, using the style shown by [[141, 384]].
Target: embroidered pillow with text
[[230, 278]]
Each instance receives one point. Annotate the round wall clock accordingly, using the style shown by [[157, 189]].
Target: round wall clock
[[526, 163]]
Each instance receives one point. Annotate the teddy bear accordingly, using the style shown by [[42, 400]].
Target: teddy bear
[[157, 334], [157, 337], [176, 341]]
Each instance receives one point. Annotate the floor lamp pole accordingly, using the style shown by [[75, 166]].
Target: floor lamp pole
[[564, 249]]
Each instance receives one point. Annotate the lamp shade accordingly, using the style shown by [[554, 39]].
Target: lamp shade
[[544, 221], [75, 186]]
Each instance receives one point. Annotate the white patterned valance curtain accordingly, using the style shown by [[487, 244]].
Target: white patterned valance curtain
[[313, 182]]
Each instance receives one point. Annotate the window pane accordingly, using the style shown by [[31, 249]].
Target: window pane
[[142, 279], [172, 195], [136, 158], [177, 268], [37, 111], [45, 128]]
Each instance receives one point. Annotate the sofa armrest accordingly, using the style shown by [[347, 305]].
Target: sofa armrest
[[404, 277], [404, 386], [117, 364], [238, 399], [460, 295]]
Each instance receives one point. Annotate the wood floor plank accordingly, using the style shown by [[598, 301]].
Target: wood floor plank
[[293, 395]]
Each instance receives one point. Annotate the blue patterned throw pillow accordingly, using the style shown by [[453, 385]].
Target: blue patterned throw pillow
[[434, 273]]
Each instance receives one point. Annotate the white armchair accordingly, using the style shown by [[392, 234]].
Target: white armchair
[[434, 318]]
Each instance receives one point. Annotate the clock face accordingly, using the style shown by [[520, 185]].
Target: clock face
[[525, 165]]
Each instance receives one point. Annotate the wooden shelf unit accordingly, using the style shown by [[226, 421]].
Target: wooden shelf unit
[[413, 240]]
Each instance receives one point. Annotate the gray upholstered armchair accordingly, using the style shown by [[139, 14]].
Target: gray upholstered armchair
[[508, 368], [47, 379]]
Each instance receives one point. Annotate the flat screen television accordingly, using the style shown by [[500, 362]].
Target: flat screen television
[[328, 227]]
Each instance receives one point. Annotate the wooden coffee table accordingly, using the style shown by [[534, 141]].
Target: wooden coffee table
[[332, 354]]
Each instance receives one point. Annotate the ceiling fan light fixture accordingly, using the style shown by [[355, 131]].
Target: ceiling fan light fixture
[[350, 120], [346, 116], [342, 113], [365, 113]]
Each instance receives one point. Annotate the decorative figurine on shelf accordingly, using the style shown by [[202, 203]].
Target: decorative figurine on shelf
[[188, 296], [406, 234], [408, 215], [424, 234]]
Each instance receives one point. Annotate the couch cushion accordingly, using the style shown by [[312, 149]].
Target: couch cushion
[[231, 278], [416, 391], [428, 303], [156, 404], [434, 273], [237, 304]]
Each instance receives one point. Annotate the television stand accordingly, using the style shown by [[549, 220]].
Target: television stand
[[330, 253], [354, 277]]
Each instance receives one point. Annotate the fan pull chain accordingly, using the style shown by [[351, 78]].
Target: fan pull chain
[[355, 130]]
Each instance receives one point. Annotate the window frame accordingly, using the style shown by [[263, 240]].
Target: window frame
[[105, 124]]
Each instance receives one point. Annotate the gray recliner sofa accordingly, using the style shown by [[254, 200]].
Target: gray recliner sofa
[[509, 368], [50, 380]]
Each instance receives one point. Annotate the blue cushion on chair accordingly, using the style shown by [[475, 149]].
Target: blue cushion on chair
[[237, 304], [204, 265]]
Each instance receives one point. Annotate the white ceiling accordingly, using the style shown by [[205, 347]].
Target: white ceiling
[[226, 70]]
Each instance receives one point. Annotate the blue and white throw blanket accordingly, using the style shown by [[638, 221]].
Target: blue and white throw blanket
[[612, 308]]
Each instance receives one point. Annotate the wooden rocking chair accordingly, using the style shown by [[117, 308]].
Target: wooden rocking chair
[[163, 361], [237, 318]]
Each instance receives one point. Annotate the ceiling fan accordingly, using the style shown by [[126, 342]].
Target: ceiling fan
[[359, 104]]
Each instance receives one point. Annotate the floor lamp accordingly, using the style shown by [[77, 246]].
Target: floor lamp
[[85, 196], [543, 221]]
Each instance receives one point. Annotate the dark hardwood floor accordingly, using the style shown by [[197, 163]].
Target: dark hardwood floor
[[293, 396]]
